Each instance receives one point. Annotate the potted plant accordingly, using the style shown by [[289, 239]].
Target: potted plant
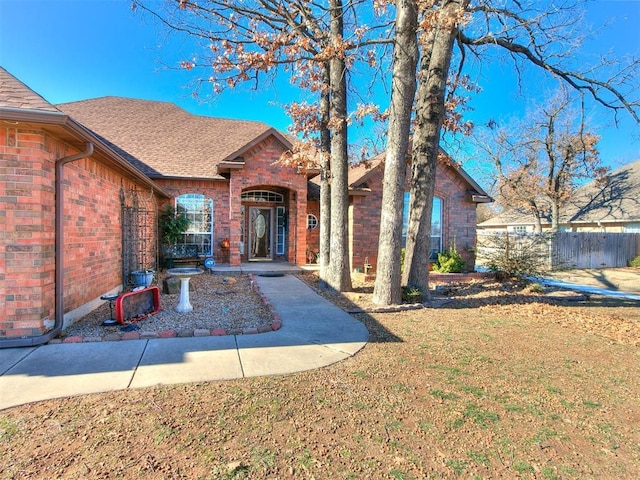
[[142, 278], [172, 227]]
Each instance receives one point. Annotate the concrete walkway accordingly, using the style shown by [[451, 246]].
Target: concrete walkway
[[314, 333]]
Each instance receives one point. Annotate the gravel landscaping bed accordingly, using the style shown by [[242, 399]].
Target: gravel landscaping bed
[[221, 305]]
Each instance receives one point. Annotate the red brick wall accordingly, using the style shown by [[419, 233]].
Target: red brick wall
[[261, 172], [313, 236], [27, 249], [219, 192], [365, 220], [92, 239], [458, 217]]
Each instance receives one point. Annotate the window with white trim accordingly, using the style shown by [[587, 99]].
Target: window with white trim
[[281, 230], [312, 222], [435, 242], [199, 210], [262, 196]]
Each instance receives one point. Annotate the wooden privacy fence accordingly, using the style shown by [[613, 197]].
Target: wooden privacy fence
[[566, 249], [594, 250]]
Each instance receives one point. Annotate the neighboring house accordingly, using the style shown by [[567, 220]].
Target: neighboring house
[[611, 205], [81, 185]]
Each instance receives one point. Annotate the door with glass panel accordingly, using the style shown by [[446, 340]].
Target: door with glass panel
[[260, 233]]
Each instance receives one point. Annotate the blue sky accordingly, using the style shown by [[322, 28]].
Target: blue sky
[[68, 50]]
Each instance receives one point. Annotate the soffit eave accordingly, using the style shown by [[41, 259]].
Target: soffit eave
[[75, 134]]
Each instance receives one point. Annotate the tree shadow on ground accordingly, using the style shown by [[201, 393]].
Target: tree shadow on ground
[[351, 302]]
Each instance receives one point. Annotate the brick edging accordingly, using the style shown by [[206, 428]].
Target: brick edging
[[458, 277], [274, 325]]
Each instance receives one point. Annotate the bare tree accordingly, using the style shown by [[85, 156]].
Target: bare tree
[[538, 34], [249, 42], [540, 160]]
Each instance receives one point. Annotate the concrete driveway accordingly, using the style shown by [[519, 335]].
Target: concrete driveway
[[625, 279]]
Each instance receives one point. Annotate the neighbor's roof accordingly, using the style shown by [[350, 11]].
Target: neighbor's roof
[[515, 216], [615, 200], [167, 140]]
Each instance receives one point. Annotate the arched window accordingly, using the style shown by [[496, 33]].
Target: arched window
[[261, 196], [199, 211]]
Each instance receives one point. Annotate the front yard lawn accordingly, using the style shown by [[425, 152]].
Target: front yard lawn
[[488, 385]]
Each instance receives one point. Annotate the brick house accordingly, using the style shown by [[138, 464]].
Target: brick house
[[112, 164], [453, 215], [53, 263]]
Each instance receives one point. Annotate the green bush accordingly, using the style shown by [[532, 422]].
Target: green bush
[[635, 262], [172, 225], [449, 262], [412, 294]]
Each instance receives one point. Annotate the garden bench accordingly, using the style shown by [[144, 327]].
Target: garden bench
[[183, 255]]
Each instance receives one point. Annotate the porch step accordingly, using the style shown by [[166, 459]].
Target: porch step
[[266, 269]]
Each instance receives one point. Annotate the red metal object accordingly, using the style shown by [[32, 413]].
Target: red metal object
[[137, 305]]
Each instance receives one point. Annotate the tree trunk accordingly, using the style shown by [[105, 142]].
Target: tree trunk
[[537, 227], [555, 216], [339, 274], [537, 216], [387, 288], [325, 179], [426, 140]]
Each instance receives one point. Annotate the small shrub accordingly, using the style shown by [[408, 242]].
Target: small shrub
[[173, 225], [534, 288], [515, 256], [412, 294], [635, 262], [449, 262]]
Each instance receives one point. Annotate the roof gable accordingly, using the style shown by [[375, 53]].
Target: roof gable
[[360, 173], [168, 140]]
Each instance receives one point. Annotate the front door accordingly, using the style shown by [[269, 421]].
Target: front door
[[260, 232]]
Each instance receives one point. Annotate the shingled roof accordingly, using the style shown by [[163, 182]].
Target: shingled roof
[[15, 94], [21, 106], [169, 141], [359, 175], [614, 200]]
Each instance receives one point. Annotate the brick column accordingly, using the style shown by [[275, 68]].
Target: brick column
[[235, 219]]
